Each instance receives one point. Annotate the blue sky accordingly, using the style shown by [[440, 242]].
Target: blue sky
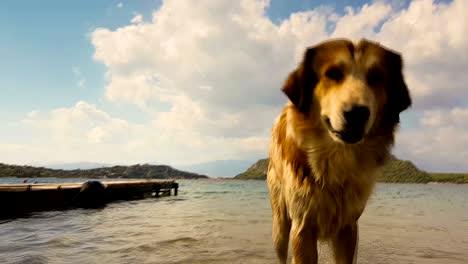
[[45, 40], [57, 60]]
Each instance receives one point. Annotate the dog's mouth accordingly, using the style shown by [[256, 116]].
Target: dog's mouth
[[349, 135]]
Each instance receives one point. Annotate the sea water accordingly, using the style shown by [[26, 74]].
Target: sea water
[[229, 221]]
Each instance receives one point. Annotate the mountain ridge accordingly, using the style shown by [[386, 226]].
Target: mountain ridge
[[144, 171], [394, 171]]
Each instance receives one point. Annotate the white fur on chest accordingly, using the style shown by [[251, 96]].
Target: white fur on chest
[[334, 198]]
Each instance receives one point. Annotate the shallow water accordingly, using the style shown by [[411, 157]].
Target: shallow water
[[227, 221]]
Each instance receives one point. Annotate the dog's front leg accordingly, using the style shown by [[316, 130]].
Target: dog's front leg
[[281, 229], [304, 244], [345, 245]]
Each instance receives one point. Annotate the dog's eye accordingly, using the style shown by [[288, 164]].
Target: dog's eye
[[335, 74], [374, 77]]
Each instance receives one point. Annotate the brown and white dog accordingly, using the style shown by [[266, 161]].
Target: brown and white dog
[[329, 142]]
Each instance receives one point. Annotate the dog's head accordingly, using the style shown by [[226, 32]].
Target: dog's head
[[351, 87]]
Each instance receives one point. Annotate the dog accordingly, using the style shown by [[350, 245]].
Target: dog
[[329, 143]]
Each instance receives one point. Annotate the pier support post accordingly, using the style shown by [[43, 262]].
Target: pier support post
[[176, 188], [157, 189]]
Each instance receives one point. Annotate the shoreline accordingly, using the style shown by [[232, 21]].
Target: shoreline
[[37, 180]]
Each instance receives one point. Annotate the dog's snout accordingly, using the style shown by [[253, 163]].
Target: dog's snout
[[357, 116]]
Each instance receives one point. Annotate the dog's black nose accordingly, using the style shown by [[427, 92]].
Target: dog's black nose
[[356, 120], [357, 117]]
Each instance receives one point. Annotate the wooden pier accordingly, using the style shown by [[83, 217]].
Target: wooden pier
[[17, 199]]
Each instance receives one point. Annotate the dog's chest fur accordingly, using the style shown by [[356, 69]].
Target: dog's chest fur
[[324, 185], [333, 195]]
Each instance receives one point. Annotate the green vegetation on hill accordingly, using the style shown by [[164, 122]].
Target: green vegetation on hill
[[256, 172], [449, 177], [135, 171], [403, 171], [395, 171]]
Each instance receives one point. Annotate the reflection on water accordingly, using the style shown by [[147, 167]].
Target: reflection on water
[[215, 221]]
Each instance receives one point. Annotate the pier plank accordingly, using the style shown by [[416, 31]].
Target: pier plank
[[25, 198]]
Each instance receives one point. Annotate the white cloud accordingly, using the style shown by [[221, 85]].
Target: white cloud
[[243, 57], [84, 132], [137, 19], [356, 23], [32, 114], [80, 132], [82, 123], [206, 87], [120, 5], [243, 52], [439, 142], [441, 118], [433, 38], [219, 66], [137, 88]]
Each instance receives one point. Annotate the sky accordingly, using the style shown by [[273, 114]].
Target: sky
[[184, 82]]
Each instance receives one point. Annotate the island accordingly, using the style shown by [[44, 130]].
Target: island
[[138, 171], [395, 171]]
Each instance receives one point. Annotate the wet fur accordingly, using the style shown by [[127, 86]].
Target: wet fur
[[319, 186]]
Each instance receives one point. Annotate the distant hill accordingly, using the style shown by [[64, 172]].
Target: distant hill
[[255, 172], [218, 168], [396, 171], [403, 171], [74, 165], [135, 171]]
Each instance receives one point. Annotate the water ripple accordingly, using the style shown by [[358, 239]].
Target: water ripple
[[230, 222]]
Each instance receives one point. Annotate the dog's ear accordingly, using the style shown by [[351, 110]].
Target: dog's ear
[[301, 82], [398, 95]]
